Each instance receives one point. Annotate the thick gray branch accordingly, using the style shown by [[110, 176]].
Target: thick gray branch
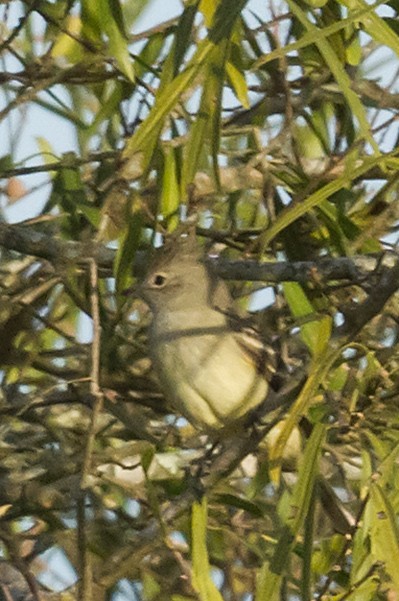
[[28, 241], [353, 269]]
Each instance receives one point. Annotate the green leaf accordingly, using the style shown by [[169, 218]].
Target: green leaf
[[225, 17], [338, 71], [207, 124], [170, 193], [316, 3], [145, 136], [151, 587], [240, 503], [65, 45], [310, 37], [150, 54], [238, 83], [127, 248], [202, 581], [106, 17], [384, 532], [292, 213], [387, 469], [118, 47], [208, 7], [294, 512], [91, 19], [316, 333], [46, 150], [183, 35], [6, 162], [377, 28], [327, 554], [354, 51], [109, 101], [117, 16], [318, 369]]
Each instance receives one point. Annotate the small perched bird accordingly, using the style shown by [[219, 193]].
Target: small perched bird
[[210, 373]]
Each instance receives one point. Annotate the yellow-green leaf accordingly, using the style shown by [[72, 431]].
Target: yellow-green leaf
[[145, 136], [315, 333], [375, 26], [292, 213], [202, 581], [170, 195], [294, 514], [238, 83], [128, 245], [384, 532]]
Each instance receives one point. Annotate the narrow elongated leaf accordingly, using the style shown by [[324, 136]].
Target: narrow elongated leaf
[[340, 75], [208, 7], [119, 49], [384, 532], [202, 580], [225, 17], [375, 26], [207, 125], [292, 213], [170, 194], [167, 98], [106, 17], [315, 333], [127, 248], [319, 34], [317, 372], [238, 83], [181, 43], [294, 514], [165, 101]]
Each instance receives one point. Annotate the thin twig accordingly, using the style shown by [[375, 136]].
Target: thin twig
[[223, 463], [16, 31], [358, 316], [95, 368], [85, 580], [69, 162], [85, 585]]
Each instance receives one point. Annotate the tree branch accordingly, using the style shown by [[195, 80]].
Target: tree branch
[[217, 467], [29, 241], [357, 317]]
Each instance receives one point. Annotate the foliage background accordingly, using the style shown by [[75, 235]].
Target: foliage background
[[276, 125]]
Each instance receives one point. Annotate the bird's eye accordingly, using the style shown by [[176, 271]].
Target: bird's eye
[[159, 280]]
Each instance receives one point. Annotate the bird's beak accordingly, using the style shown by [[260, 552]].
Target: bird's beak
[[134, 290]]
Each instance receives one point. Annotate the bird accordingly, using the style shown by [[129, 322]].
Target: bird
[[210, 370]]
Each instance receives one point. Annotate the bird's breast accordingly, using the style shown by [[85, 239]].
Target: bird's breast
[[204, 372]]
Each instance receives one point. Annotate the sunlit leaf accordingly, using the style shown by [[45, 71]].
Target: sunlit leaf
[[384, 532], [170, 193], [202, 580], [316, 332]]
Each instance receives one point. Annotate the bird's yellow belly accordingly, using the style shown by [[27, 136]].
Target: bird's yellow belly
[[210, 380]]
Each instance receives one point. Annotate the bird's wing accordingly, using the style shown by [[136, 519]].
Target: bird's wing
[[258, 350]]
